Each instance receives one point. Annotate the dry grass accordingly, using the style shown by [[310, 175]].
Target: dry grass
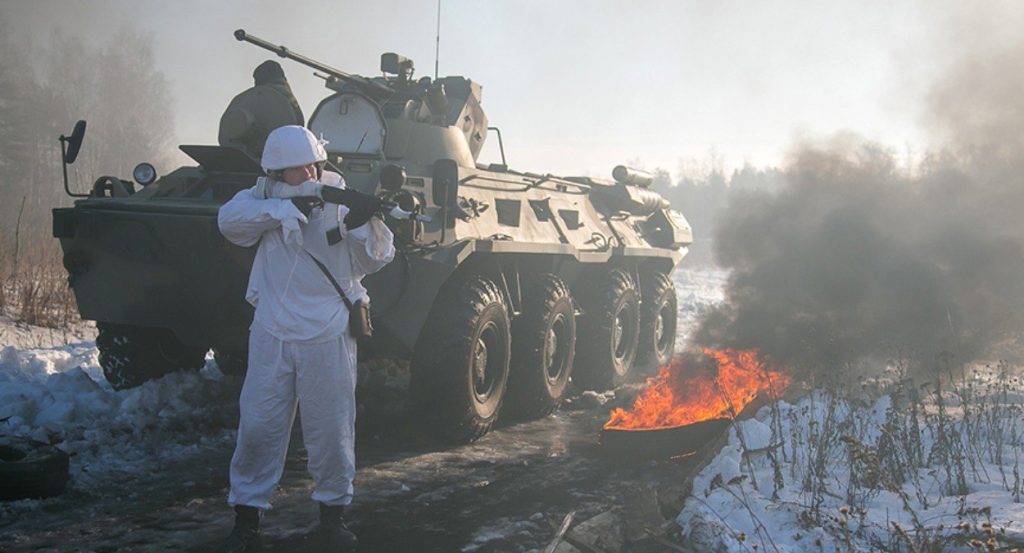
[[34, 286]]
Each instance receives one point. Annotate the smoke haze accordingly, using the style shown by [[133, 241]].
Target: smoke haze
[[858, 259], [861, 254]]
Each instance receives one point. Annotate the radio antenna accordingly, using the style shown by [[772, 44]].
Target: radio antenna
[[437, 47]]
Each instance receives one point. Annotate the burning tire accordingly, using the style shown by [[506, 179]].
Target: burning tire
[[658, 313], [608, 332], [461, 364], [132, 355], [231, 362], [543, 348]]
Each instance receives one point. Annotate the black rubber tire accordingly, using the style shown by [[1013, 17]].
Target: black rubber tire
[[31, 469], [132, 355], [607, 331], [467, 325], [543, 349], [231, 362], [658, 321]]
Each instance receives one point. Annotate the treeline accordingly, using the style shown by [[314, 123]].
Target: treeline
[[45, 87]]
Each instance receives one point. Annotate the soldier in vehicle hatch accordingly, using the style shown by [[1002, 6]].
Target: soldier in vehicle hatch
[[251, 115]]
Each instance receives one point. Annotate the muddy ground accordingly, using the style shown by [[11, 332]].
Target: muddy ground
[[500, 494]]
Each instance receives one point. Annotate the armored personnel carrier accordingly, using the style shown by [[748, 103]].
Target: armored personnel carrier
[[518, 283]]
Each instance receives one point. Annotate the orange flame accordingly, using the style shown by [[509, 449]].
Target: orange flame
[[681, 394]]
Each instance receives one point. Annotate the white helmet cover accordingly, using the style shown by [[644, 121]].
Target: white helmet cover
[[292, 146]]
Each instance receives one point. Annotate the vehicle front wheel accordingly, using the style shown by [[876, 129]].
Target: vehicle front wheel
[[131, 355], [608, 332], [658, 321], [543, 348], [461, 362]]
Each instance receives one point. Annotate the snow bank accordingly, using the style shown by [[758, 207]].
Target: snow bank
[[825, 474], [58, 395], [21, 335]]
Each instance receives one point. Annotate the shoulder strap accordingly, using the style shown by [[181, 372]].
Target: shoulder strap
[[330, 277]]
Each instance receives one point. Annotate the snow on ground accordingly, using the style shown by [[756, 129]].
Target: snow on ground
[[57, 394], [901, 474], [52, 389], [21, 335], [897, 473], [821, 473], [697, 291]]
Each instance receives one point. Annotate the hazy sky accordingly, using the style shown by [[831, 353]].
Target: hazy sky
[[578, 86]]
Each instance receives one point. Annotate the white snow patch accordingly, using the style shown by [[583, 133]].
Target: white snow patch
[[57, 394], [697, 291], [21, 335], [844, 474]]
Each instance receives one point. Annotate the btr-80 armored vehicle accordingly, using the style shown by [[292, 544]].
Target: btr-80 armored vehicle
[[518, 281]]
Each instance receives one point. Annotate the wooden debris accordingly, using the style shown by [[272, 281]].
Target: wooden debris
[[562, 529], [599, 534], [752, 454]]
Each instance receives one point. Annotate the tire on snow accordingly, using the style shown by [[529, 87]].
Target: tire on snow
[[658, 312], [543, 349], [461, 362], [31, 469], [607, 332], [131, 355]]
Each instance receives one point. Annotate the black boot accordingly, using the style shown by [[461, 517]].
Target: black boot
[[245, 536], [333, 532]]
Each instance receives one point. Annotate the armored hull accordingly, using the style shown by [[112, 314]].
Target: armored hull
[[510, 280]]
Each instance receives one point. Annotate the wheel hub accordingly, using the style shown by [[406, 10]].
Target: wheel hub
[[619, 333], [554, 357], [480, 361]]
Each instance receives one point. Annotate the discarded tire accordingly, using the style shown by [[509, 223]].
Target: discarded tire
[[132, 355], [31, 469], [461, 363], [608, 332], [543, 344], [658, 312]]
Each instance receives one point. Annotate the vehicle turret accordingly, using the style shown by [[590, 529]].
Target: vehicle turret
[[394, 116]]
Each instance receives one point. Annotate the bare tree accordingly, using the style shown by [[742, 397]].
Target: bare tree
[[45, 89]]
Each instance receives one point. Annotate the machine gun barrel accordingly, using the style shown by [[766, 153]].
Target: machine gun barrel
[[284, 52]]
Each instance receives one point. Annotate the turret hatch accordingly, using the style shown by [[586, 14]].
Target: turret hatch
[[351, 123]]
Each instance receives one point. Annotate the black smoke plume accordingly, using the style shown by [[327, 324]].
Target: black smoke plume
[[859, 259]]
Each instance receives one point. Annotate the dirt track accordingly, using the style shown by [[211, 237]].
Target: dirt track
[[494, 495]]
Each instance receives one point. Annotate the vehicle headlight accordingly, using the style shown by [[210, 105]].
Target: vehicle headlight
[[144, 174]]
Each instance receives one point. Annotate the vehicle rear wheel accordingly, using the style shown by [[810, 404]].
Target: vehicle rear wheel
[[461, 363], [231, 362], [658, 320], [131, 355], [543, 348], [608, 332]]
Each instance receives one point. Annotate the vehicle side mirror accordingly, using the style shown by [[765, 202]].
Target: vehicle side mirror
[[74, 142], [444, 187]]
